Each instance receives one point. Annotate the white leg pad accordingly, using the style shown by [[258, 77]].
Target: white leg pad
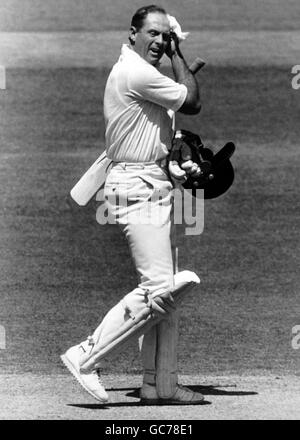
[[135, 325], [166, 356]]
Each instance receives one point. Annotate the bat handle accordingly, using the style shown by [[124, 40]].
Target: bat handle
[[196, 65]]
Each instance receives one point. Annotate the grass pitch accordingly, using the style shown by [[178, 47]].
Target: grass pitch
[[101, 15]]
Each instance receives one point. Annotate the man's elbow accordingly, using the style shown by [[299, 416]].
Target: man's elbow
[[191, 108], [197, 107]]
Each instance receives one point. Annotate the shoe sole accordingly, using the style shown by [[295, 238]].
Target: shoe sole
[[71, 367], [170, 402]]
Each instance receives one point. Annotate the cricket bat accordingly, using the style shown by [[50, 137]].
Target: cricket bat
[[92, 180]]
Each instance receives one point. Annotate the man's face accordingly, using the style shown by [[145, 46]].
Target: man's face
[[152, 39]]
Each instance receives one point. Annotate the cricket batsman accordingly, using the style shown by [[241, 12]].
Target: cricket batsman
[[139, 107]]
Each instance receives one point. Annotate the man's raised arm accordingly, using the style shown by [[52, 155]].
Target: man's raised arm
[[183, 75]]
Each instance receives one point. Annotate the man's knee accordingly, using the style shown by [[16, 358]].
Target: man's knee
[[162, 304], [155, 283], [135, 301], [159, 303]]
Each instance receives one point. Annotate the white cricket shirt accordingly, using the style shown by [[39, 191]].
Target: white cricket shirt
[[139, 105]]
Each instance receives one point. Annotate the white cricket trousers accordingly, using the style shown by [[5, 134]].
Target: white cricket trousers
[[139, 198]]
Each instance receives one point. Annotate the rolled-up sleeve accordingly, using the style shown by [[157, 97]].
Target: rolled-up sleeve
[[151, 85]]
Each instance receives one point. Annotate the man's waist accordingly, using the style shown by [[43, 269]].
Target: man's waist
[[161, 163]]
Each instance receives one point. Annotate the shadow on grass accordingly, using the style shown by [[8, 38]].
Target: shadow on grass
[[206, 390], [133, 404]]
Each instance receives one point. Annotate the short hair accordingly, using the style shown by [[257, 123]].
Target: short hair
[[138, 19]]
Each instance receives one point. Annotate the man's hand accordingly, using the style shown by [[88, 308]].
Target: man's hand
[[173, 45], [191, 168], [181, 165]]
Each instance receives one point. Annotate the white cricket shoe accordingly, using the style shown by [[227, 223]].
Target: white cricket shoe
[[91, 382]]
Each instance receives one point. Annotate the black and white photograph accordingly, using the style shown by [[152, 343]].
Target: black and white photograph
[[149, 212]]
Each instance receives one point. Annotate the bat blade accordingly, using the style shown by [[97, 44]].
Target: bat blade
[[91, 181]]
